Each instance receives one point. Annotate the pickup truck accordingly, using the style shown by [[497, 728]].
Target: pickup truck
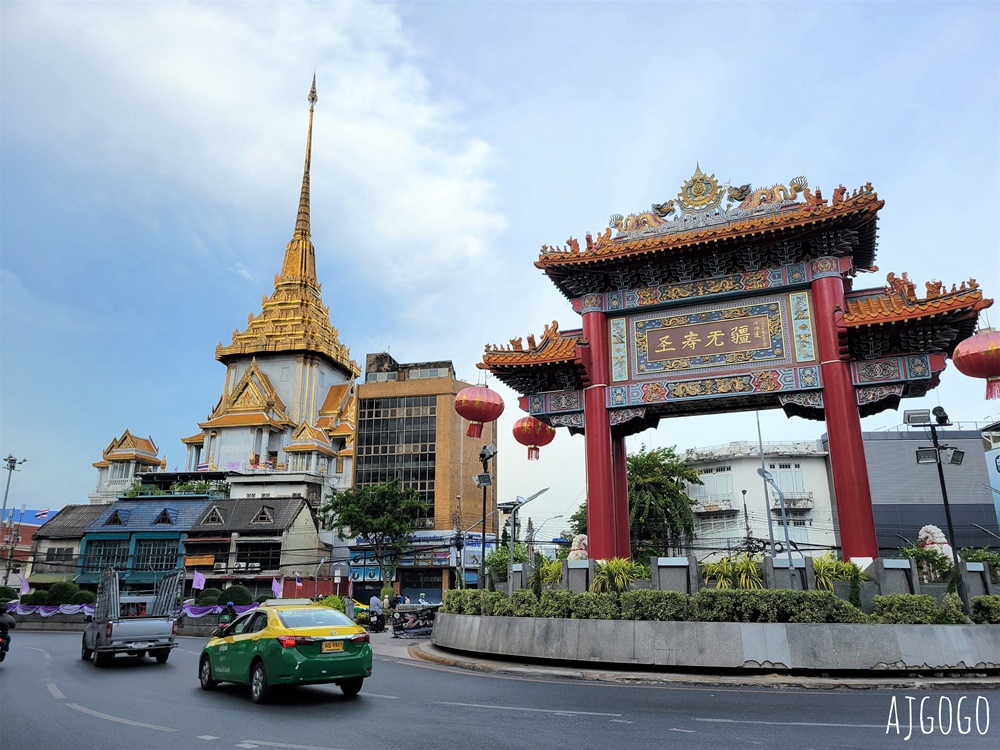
[[131, 624]]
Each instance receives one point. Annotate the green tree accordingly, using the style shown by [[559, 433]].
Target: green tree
[[384, 514], [660, 511]]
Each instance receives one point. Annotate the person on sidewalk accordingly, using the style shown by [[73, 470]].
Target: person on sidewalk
[[375, 620]]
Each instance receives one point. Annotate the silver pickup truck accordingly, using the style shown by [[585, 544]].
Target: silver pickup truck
[[132, 624]]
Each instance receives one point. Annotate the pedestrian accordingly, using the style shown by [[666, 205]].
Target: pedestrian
[[375, 621]]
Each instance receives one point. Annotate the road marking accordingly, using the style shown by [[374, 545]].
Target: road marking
[[792, 723], [55, 691], [262, 743], [531, 710], [677, 729], [207, 737], [620, 721], [99, 715], [366, 694]]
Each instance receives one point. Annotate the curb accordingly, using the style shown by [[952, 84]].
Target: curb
[[437, 655]]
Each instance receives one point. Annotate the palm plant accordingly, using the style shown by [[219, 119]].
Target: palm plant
[[615, 576], [723, 571], [748, 573]]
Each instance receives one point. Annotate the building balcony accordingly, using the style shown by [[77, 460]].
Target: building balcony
[[713, 504], [793, 501]]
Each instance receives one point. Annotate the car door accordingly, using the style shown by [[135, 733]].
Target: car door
[[241, 651], [223, 651]]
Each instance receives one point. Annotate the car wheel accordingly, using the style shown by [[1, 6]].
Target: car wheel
[[353, 686], [85, 653], [161, 656], [258, 683], [205, 674]]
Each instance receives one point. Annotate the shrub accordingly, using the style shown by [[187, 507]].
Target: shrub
[[474, 601], [502, 606], [62, 593], [935, 564], [984, 555], [208, 598], [951, 611], [454, 601], [822, 606], [986, 610], [37, 597], [716, 605], [263, 598], [237, 594], [554, 604], [764, 605], [647, 604], [615, 576], [84, 597], [334, 602], [593, 606], [551, 572], [7, 594], [489, 600], [524, 602], [498, 560], [905, 609]]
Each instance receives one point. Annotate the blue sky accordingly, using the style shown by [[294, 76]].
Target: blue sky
[[151, 156]]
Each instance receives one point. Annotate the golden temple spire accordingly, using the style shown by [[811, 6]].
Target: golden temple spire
[[300, 255]]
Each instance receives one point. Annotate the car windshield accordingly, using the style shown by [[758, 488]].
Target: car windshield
[[313, 618]]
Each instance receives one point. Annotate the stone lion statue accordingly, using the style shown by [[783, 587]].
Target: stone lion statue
[[932, 537], [578, 550]]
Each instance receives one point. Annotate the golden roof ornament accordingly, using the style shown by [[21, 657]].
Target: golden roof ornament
[[700, 193]]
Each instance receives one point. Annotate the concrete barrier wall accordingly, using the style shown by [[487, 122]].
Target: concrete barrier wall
[[197, 627], [726, 645]]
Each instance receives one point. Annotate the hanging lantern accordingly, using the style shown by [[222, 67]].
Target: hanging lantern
[[478, 404], [979, 357], [533, 433]]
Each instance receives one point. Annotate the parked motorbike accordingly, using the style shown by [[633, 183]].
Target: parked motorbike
[[376, 622]]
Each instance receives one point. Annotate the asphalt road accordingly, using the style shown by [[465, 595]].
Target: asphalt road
[[49, 698]]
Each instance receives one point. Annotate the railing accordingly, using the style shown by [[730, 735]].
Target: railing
[[793, 501], [713, 504], [748, 448]]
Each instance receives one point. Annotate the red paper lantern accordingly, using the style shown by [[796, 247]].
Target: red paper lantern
[[533, 433], [979, 357], [478, 404]]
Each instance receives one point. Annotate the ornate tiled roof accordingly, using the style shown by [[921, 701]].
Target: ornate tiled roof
[[763, 221], [899, 302], [130, 448], [552, 364], [252, 402]]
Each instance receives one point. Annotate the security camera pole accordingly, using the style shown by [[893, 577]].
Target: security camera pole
[[941, 417]]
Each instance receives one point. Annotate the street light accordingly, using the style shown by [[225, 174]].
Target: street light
[[513, 535], [484, 480], [935, 456], [12, 463], [316, 578], [784, 520], [538, 528]]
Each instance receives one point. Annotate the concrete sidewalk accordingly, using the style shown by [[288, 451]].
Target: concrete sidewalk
[[384, 645]]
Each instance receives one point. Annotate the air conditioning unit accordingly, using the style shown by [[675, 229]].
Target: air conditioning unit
[[240, 566], [219, 567], [253, 567], [428, 523]]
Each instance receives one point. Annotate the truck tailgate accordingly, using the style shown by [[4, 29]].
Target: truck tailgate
[[143, 632]]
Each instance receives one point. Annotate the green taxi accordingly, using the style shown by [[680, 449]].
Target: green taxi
[[287, 642]]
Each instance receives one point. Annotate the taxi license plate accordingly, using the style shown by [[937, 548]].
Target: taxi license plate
[[329, 646]]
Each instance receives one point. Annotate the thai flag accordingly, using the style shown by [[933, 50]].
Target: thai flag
[[269, 464], [298, 581], [42, 514], [203, 467]]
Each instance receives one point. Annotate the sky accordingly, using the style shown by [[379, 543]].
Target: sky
[[151, 156]]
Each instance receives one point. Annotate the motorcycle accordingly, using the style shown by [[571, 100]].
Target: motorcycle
[[4, 645], [376, 622]]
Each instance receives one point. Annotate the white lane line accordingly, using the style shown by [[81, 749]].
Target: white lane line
[[620, 721], [379, 695], [56, 693], [791, 723], [99, 715], [688, 731], [519, 708], [262, 743], [207, 737]]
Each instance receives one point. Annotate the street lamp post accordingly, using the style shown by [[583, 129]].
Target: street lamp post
[[484, 480], [784, 521], [537, 529], [316, 578], [12, 463], [920, 417]]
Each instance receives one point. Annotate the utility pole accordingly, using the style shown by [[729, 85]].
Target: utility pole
[[12, 463]]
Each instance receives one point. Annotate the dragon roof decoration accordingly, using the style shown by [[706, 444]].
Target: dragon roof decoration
[[899, 301]]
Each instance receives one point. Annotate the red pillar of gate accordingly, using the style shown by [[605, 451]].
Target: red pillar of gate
[[843, 423], [597, 441], [619, 467]]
